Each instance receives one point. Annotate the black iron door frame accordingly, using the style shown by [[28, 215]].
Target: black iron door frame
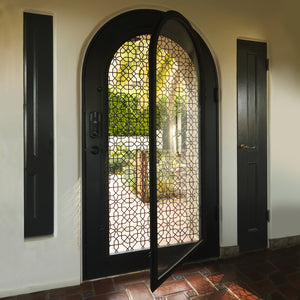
[[96, 259]]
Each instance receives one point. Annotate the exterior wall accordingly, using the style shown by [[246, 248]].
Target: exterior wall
[[42, 263]]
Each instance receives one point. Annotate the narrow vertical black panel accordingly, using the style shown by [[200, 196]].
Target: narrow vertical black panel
[[252, 144], [38, 125]]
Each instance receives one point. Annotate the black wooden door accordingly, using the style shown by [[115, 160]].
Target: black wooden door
[[252, 145], [115, 147]]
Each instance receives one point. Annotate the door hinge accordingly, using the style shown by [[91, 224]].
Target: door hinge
[[267, 64], [268, 215]]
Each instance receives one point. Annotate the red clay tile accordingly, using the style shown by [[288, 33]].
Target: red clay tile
[[290, 292], [74, 297], [295, 280], [286, 265], [33, 296], [251, 273], [278, 278], [121, 281], [78, 289], [170, 278], [139, 291], [180, 296], [263, 288], [223, 277], [265, 268], [216, 278], [199, 283], [191, 293], [188, 268], [235, 260], [172, 287], [112, 296], [297, 261], [258, 257], [220, 295], [242, 292], [271, 274], [287, 269], [222, 265], [214, 267], [103, 286], [276, 296]]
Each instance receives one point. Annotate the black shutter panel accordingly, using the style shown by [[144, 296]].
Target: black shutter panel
[[38, 125]]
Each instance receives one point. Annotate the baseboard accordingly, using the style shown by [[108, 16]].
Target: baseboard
[[37, 288], [284, 242], [278, 243], [230, 251]]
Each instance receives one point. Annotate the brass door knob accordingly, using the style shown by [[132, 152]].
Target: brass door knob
[[243, 146]]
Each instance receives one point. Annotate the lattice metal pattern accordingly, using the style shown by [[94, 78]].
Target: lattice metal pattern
[[129, 217], [177, 144]]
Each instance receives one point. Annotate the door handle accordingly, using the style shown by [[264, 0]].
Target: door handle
[[243, 146], [94, 123]]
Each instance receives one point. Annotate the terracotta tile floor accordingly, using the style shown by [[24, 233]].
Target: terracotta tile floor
[[268, 274]]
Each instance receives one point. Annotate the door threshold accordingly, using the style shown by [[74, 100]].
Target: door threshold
[[118, 275], [187, 263]]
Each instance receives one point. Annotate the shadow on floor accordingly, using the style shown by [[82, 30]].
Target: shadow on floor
[[268, 274]]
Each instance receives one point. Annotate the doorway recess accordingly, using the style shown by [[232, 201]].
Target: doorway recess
[[133, 141]]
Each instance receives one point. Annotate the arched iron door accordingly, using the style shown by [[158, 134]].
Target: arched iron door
[[150, 131]]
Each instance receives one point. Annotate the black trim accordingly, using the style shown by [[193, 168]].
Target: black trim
[[38, 125]]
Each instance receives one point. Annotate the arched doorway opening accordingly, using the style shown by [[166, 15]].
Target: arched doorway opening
[[150, 133]]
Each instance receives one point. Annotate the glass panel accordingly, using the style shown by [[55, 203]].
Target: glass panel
[[177, 145]]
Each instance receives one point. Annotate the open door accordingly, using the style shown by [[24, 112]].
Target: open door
[[175, 145]]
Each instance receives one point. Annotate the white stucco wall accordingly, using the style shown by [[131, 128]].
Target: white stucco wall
[[55, 261]]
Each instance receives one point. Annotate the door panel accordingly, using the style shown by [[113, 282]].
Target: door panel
[[175, 146], [252, 145]]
